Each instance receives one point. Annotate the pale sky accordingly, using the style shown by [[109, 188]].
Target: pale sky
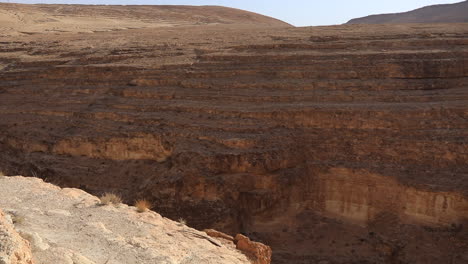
[[296, 12]]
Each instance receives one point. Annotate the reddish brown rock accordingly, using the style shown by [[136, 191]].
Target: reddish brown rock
[[260, 253], [320, 142], [257, 252]]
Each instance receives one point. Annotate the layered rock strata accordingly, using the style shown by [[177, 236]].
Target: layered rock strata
[[334, 144]]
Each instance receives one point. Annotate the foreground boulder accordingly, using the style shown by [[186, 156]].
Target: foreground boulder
[[71, 226], [257, 252], [13, 248], [260, 252]]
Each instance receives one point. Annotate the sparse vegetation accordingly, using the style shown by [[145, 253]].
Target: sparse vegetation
[[17, 219], [182, 222], [142, 205], [110, 198]]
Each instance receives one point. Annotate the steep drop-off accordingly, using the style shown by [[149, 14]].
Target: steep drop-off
[[448, 13], [64, 226], [343, 144]]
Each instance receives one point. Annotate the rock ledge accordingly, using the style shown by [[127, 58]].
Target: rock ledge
[[70, 226]]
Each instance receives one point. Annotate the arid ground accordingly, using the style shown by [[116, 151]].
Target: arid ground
[[341, 144], [446, 13]]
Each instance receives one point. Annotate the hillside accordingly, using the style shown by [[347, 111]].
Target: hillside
[[17, 19], [449, 13]]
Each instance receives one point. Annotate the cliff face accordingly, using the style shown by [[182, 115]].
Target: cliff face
[[331, 144], [449, 13]]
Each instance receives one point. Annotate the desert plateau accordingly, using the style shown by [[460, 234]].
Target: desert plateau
[[254, 141]]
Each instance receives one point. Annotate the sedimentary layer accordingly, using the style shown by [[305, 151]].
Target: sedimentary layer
[[335, 144]]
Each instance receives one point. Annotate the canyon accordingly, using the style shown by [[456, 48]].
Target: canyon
[[341, 144]]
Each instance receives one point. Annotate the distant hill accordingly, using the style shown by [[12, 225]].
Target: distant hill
[[43, 18], [449, 13]]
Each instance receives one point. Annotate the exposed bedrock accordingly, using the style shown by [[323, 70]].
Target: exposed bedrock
[[13, 248], [325, 144]]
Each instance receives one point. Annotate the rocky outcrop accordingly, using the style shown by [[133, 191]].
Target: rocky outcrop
[[13, 248], [448, 13], [340, 144], [70, 226], [258, 253]]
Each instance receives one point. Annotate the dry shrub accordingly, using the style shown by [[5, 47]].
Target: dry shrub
[[18, 219], [110, 198], [182, 222], [142, 205]]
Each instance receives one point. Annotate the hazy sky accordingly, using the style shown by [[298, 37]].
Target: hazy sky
[[296, 12]]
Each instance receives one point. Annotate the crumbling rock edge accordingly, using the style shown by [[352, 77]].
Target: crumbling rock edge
[[68, 225], [13, 248]]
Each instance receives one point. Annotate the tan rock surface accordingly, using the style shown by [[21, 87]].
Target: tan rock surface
[[68, 226], [13, 248]]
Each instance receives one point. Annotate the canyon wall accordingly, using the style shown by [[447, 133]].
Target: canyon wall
[[342, 144], [360, 196]]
